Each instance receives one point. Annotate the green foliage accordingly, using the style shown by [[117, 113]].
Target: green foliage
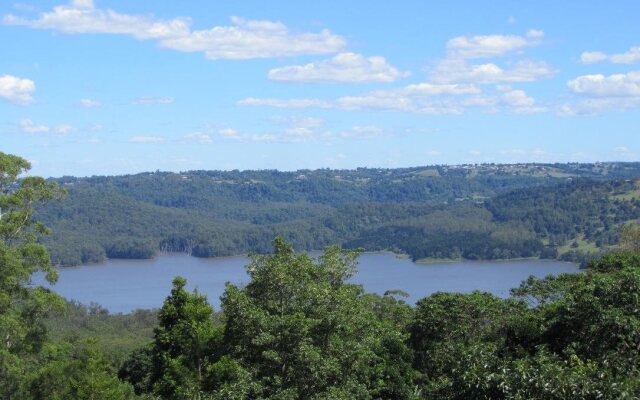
[[22, 308], [175, 364], [473, 212], [77, 372], [116, 334], [578, 338], [298, 330], [302, 332], [31, 367], [630, 239]]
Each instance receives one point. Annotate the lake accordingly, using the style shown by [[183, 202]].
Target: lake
[[126, 285]]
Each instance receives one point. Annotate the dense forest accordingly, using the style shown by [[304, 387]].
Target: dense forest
[[572, 212], [298, 330]]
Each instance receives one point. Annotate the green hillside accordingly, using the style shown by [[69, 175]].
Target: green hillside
[[567, 211]]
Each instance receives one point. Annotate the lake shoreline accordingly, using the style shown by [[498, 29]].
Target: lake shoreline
[[422, 261], [125, 285]]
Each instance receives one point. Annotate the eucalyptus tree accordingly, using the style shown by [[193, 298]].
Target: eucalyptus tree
[[22, 309], [299, 330]]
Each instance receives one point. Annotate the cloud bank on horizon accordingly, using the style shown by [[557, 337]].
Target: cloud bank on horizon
[[307, 85]]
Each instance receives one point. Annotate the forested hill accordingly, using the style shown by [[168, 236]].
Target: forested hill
[[567, 211]]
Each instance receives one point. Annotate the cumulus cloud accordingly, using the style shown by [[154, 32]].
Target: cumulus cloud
[[481, 46], [431, 89], [454, 83], [597, 106], [151, 100], [28, 126], [344, 67], [229, 133], [303, 130], [363, 132], [16, 90], [199, 137], [598, 85], [423, 98], [631, 56], [146, 139], [617, 92], [90, 103], [457, 68], [521, 103], [285, 103], [244, 39], [385, 100], [459, 71], [417, 98], [301, 122]]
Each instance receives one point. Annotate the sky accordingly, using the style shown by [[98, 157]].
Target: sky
[[109, 87]]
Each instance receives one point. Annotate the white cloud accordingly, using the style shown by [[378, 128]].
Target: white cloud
[[378, 100], [456, 68], [464, 47], [418, 98], [16, 90], [631, 56], [244, 39], [28, 126], [364, 132], [285, 103], [300, 122], [90, 103], [617, 92], [64, 129], [424, 98], [431, 89], [518, 98], [303, 130], [199, 137], [300, 129], [151, 100], [597, 106], [617, 85], [146, 139], [521, 103], [398, 100], [82, 3], [255, 39], [592, 57], [344, 67], [454, 83], [230, 133], [459, 71]]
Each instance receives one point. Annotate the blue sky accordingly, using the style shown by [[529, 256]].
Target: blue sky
[[113, 87]]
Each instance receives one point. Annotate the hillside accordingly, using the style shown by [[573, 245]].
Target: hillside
[[471, 211]]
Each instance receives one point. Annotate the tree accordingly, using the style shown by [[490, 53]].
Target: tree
[[175, 364], [22, 309], [455, 338], [302, 332], [76, 371], [630, 239]]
